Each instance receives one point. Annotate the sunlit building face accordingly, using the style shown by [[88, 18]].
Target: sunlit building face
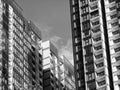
[[95, 32]]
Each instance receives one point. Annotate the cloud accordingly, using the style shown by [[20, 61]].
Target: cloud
[[45, 29], [66, 50], [55, 39]]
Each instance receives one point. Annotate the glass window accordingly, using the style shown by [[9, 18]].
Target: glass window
[[98, 47], [112, 8], [117, 58], [79, 83], [100, 74], [86, 25], [85, 17], [92, 7], [75, 26], [113, 16], [77, 40], [116, 40], [102, 83], [115, 32], [99, 65], [117, 49], [110, 1], [88, 50], [99, 56], [87, 41], [90, 76], [77, 57], [85, 10], [97, 39], [94, 23], [114, 24]]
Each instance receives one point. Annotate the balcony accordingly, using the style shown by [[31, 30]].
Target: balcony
[[93, 7], [98, 56], [89, 68], [92, 1], [95, 22], [96, 31], [97, 48], [89, 59], [97, 39]]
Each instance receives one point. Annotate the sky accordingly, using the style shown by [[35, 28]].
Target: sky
[[52, 17]]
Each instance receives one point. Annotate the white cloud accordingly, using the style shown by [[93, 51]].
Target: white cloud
[[66, 50], [55, 39], [45, 29]]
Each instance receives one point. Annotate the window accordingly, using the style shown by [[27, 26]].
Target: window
[[74, 17], [86, 33], [97, 39], [114, 24], [101, 83], [118, 77], [90, 76], [95, 30], [98, 47], [74, 25], [84, 2], [86, 25], [75, 32], [85, 17], [73, 9], [85, 10], [99, 65], [88, 41], [117, 49], [89, 59], [73, 2], [78, 75], [77, 67], [94, 7], [112, 8], [117, 58], [88, 50], [77, 57], [92, 0], [113, 16], [118, 5], [95, 22], [118, 67], [77, 40], [99, 56], [79, 83], [110, 1], [94, 14], [115, 32], [77, 48], [101, 73], [116, 40]]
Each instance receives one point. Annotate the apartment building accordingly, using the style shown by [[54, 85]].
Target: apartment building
[[18, 36], [96, 47], [51, 67], [67, 74]]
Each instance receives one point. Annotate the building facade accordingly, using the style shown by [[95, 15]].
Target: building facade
[[51, 67], [17, 39], [67, 74], [58, 72], [96, 44]]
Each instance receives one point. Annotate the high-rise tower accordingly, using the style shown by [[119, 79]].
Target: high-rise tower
[[96, 44], [17, 39]]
